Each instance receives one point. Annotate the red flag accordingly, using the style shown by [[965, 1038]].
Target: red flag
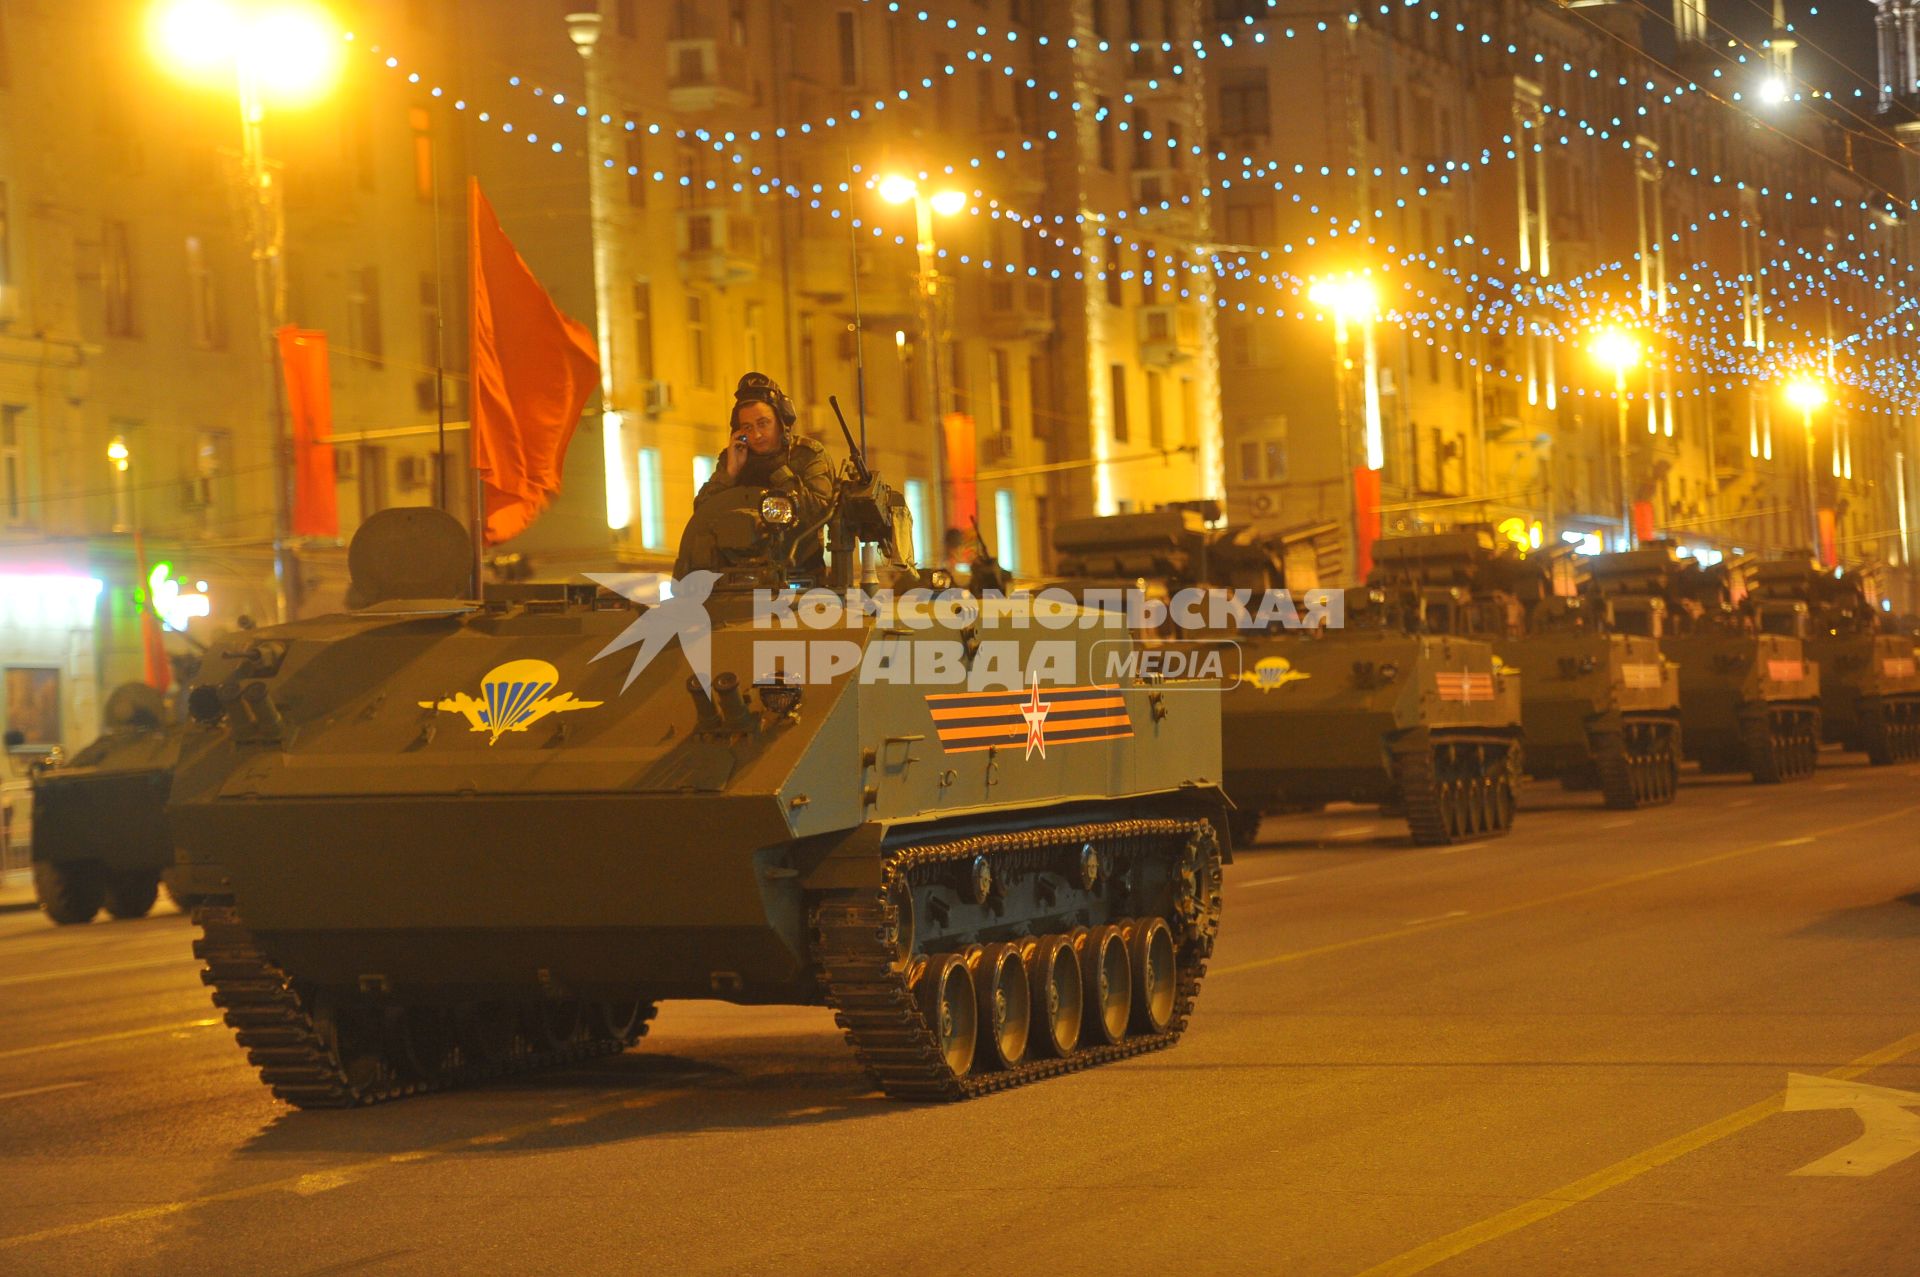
[[159, 670], [531, 371], [1366, 517], [303, 362], [1829, 535], [963, 489], [1642, 522]]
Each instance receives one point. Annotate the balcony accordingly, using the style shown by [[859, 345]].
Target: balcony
[[702, 75], [1150, 74], [1168, 334], [1155, 188], [1015, 309], [718, 246]]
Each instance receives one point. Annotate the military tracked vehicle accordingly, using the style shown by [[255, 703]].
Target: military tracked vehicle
[[1869, 683], [1599, 709], [1749, 700], [99, 817], [444, 838], [1393, 706]]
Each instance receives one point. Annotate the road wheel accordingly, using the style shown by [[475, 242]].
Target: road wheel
[[131, 895], [71, 891]]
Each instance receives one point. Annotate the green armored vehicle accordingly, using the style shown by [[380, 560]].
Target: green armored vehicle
[[1599, 709], [1388, 703], [1749, 700], [99, 817], [1869, 683], [444, 838]]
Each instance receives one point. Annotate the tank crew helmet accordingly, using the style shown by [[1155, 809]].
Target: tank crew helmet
[[757, 387]]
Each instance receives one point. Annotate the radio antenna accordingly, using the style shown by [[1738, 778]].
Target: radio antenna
[[859, 336]]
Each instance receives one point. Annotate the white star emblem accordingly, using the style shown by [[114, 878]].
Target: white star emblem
[[1035, 712]]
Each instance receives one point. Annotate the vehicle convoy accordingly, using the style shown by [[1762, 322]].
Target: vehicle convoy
[[1749, 700], [1600, 709], [444, 838], [1392, 706], [99, 817], [1869, 683]]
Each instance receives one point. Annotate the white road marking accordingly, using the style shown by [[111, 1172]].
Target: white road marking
[[1353, 831], [1438, 917], [41, 1090], [1795, 842], [1616, 824], [1263, 882], [1892, 1129], [1738, 802], [1459, 847]]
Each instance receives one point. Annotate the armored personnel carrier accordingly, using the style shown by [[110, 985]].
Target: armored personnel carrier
[[99, 817], [1599, 709], [1869, 683], [1392, 706], [444, 837], [1749, 700]]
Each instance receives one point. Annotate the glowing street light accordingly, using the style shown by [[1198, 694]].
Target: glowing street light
[[1354, 299], [288, 51], [898, 188], [118, 455], [1619, 350], [1809, 395]]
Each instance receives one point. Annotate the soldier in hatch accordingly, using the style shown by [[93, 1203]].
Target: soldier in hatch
[[764, 452]]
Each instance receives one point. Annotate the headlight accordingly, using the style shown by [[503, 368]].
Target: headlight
[[775, 508], [1389, 671]]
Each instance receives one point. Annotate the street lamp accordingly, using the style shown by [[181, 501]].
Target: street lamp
[[289, 53], [1807, 394], [1354, 299], [897, 188], [1619, 350]]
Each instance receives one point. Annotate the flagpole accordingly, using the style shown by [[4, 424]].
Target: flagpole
[[439, 346], [475, 505]]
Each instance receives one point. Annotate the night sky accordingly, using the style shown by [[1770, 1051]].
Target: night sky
[[1836, 37]]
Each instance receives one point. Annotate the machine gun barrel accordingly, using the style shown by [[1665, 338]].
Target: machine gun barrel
[[853, 449]]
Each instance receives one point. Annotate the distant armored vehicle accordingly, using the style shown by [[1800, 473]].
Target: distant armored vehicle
[[99, 817], [441, 838], [1600, 709], [1391, 707], [1869, 683], [1749, 700]]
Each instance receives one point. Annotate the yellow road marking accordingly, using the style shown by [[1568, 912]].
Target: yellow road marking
[[1458, 1243], [1645, 875], [121, 1036], [41, 1090], [308, 1182], [182, 960]]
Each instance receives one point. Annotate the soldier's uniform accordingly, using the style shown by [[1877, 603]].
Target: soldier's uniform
[[801, 470]]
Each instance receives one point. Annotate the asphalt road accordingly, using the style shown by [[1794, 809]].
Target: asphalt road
[[1565, 1051]]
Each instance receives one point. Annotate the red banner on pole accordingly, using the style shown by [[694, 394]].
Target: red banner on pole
[[963, 488], [1366, 518], [158, 671], [1829, 547], [532, 369], [303, 362], [1642, 522]]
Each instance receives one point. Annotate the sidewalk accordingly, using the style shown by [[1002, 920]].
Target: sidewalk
[[16, 891]]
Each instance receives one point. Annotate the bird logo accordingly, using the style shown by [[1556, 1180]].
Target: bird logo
[[679, 613], [513, 697]]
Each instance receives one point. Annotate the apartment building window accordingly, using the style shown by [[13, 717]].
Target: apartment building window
[[1245, 109], [372, 469], [6, 81], [206, 489], [13, 468], [1156, 411], [1369, 125], [422, 126], [1039, 413], [1099, 17], [1006, 530], [363, 316], [752, 316], [703, 468], [1113, 281], [809, 360], [638, 181], [1189, 409], [910, 405], [623, 18], [1117, 386], [737, 21], [203, 298], [1250, 224], [6, 239], [847, 31], [1103, 115], [699, 354], [116, 279], [942, 94], [653, 522], [642, 330], [1263, 451], [999, 393]]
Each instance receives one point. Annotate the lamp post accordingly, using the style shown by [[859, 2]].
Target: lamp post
[[1351, 300], [1619, 350], [900, 189], [289, 52], [1806, 394]]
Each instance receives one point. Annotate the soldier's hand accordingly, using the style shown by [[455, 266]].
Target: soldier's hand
[[736, 456]]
